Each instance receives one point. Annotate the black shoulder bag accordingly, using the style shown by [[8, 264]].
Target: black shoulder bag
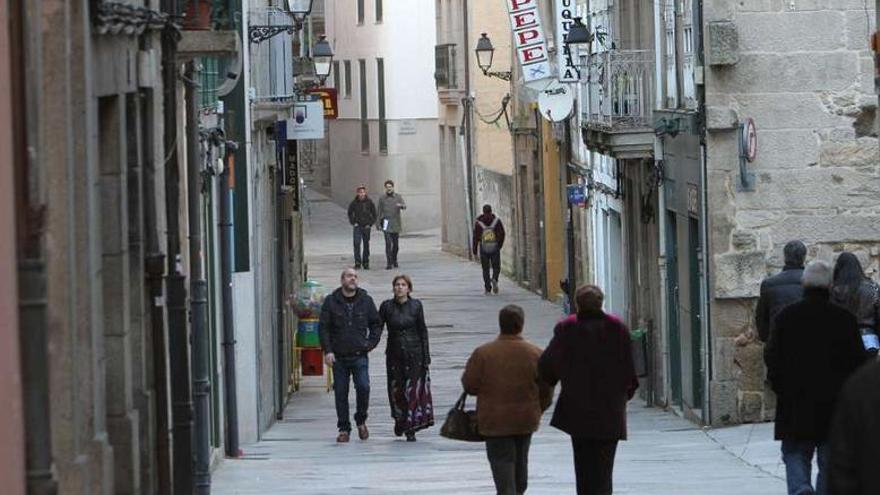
[[461, 424]]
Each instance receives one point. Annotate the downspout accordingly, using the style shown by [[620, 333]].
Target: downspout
[[178, 338], [569, 179], [705, 288], [154, 266], [33, 325], [198, 287], [468, 124], [662, 327], [229, 389], [281, 388]]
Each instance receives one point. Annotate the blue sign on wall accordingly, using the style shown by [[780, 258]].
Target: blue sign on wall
[[577, 195]]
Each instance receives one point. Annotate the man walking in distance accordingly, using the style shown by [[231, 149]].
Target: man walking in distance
[[814, 346], [361, 216], [781, 289], [488, 240], [591, 354], [388, 221], [510, 399], [349, 329]]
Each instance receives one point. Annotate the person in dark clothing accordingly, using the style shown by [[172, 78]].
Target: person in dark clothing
[[349, 329], [591, 354], [813, 348], [361, 216], [781, 289], [488, 241], [389, 222], [858, 294], [854, 443], [503, 375], [407, 357]]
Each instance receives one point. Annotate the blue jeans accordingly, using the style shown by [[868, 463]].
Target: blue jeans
[[798, 458], [361, 233], [344, 369]]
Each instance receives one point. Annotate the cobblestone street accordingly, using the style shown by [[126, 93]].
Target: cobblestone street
[[664, 455]]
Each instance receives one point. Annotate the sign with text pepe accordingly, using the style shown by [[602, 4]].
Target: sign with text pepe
[[528, 39]]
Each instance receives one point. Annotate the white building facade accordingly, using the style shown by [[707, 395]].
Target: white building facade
[[387, 127]]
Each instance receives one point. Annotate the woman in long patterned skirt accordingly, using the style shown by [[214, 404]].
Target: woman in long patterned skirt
[[407, 359]]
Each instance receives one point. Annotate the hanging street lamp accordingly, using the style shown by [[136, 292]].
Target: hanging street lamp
[[322, 54], [485, 53]]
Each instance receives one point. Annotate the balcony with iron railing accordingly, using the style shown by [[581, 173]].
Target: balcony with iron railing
[[618, 93]]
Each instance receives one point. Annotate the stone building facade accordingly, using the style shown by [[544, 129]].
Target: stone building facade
[[803, 71]]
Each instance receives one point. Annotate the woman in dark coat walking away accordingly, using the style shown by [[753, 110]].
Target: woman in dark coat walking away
[[407, 359], [859, 295]]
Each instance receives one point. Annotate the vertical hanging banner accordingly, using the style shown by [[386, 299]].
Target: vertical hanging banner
[[568, 72], [528, 39]]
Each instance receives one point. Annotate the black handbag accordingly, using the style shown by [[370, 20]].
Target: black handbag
[[461, 424]]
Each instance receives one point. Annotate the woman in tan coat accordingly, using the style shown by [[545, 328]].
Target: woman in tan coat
[[503, 375]]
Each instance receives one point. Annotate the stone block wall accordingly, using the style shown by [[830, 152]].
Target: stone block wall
[[802, 70]]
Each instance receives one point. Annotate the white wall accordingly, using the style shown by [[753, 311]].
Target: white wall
[[405, 39]]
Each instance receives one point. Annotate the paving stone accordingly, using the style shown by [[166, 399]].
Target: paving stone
[[664, 454]]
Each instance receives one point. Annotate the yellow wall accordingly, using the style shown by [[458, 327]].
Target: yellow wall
[[493, 143], [554, 225]]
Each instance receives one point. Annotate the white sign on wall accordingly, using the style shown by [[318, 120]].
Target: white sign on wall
[[528, 39], [307, 121], [565, 14]]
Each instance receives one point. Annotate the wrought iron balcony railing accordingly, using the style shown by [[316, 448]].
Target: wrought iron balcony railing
[[619, 90]]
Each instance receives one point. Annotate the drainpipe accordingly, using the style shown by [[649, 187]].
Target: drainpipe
[[34, 328], [33, 324], [178, 338], [201, 386], [569, 178], [230, 393], [281, 382], [705, 288], [468, 124], [154, 266]]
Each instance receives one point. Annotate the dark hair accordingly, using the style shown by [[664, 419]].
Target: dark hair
[[589, 299], [389, 181], [794, 253], [403, 277], [511, 319], [848, 278], [487, 209]]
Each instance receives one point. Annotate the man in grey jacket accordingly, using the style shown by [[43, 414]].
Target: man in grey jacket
[[388, 221]]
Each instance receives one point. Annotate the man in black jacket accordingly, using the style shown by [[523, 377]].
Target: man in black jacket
[[361, 216], [350, 328], [814, 346], [781, 289]]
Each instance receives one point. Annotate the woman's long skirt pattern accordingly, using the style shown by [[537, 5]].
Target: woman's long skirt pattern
[[409, 393]]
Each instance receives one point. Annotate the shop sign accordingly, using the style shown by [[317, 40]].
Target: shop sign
[[528, 39], [565, 15], [307, 121], [329, 99]]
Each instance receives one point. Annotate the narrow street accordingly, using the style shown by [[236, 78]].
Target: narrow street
[[664, 455]]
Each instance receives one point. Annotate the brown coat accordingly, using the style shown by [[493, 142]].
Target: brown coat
[[503, 374]]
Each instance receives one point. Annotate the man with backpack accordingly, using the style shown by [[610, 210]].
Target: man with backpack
[[488, 240]]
